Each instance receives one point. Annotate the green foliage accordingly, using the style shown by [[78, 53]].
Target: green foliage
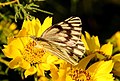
[[21, 10]]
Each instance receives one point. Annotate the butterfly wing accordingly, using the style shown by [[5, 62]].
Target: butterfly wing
[[63, 40]]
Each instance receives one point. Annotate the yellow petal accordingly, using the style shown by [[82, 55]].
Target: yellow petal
[[100, 71], [107, 49], [83, 62], [115, 39], [62, 75], [85, 43], [24, 64], [32, 70], [25, 24], [34, 27], [87, 35], [37, 28], [15, 62], [44, 58], [18, 43], [40, 70], [51, 59], [11, 52], [45, 66], [43, 79], [29, 26], [54, 72], [22, 42], [15, 32], [46, 24], [97, 42], [116, 36], [13, 26], [92, 42], [101, 67], [9, 40], [31, 29], [116, 57], [68, 78], [59, 61], [104, 77], [22, 32]]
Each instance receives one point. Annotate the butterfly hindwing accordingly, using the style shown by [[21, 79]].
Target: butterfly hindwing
[[63, 40]]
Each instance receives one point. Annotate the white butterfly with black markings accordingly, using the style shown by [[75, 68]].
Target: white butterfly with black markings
[[63, 40]]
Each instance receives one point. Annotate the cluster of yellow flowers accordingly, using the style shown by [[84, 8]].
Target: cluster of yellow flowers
[[99, 63], [7, 28]]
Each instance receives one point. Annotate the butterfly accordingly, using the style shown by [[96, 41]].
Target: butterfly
[[63, 40]]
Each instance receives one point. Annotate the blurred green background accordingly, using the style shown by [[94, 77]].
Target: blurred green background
[[99, 17]]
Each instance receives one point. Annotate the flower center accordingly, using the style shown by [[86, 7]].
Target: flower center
[[79, 74], [33, 54]]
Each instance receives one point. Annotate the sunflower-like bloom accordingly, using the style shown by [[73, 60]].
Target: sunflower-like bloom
[[91, 43], [116, 60], [92, 46], [24, 51], [7, 29], [115, 39], [99, 71]]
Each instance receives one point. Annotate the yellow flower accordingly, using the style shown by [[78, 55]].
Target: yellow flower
[[61, 74], [91, 43], [24, 50], [34, 27], [116, 60], [92, 46], [99, 71], [115, 39], [7, 29], [107, 49]]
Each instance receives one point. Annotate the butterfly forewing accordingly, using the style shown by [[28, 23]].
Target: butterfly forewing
[[63, 40]]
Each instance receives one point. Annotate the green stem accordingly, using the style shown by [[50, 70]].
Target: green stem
[[4, 61], [35, 77], [115, 49], [43, 11]]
